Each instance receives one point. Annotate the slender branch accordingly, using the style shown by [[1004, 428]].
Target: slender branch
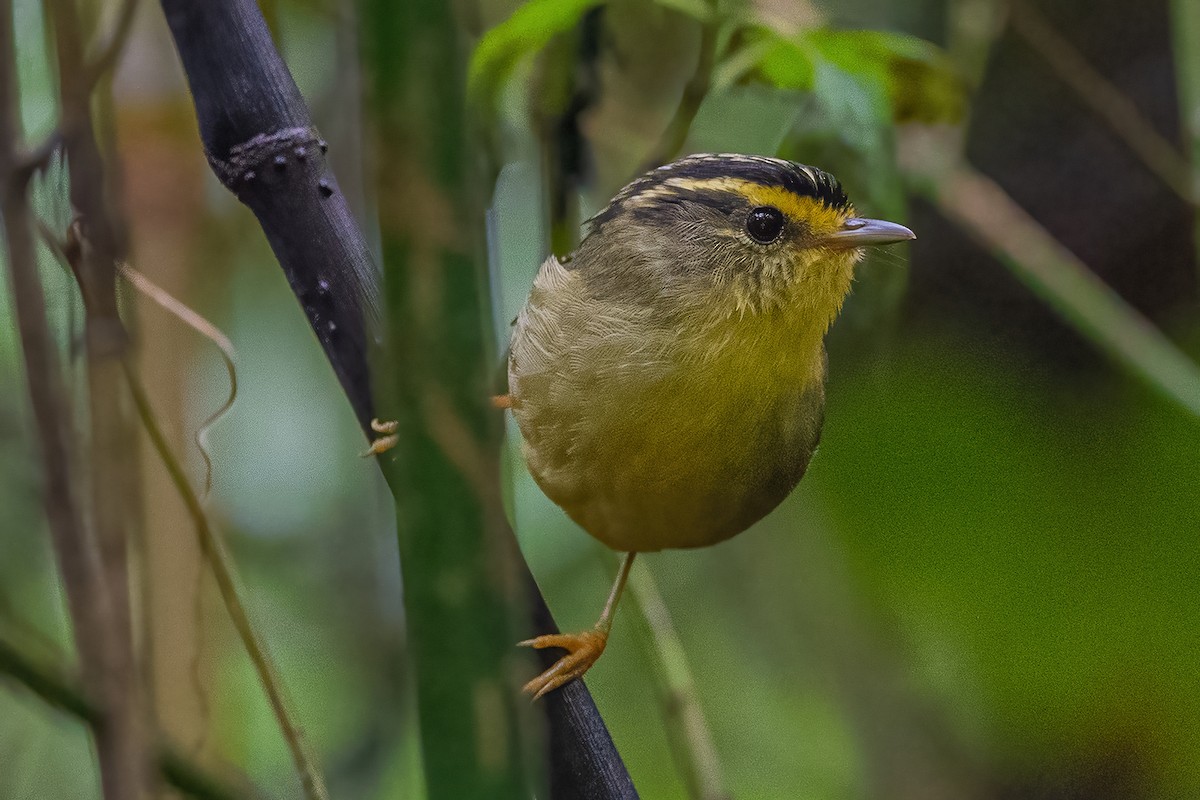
[[674, 136], [568, 85], [209, 331], [37, 158], [972, 27], [691, 739], [1107, 101], [1185, 30], [106, 55], [55, 690], [112, 468], [984, 210], [94, 619], [217, 553]]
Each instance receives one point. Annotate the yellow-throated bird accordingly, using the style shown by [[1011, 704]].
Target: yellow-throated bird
[[668, 378]]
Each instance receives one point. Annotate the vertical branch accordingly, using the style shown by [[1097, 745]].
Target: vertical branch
[[971, 29], [97, 629], [260, 142], [1185, 27], [569, 84], [687, 729], [111, 465]]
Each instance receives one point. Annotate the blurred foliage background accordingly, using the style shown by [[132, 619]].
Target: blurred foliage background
[[984, 588]]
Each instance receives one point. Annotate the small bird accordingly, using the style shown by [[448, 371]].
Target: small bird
[[668, 377]]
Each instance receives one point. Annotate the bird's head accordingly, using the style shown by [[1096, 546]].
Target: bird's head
[[724, 236]]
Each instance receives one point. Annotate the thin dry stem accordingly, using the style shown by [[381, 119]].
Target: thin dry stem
[[691, 738], [95, 619], [112, 473], [215, 551], [985, 211], [1107, 101], [105, 58], [209, 331]]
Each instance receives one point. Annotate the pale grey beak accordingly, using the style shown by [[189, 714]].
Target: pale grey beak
[[857, 232]]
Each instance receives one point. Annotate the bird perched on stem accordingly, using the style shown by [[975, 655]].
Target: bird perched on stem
[[668, 378]]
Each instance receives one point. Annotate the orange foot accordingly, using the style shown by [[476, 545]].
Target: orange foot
[[583, 649], [383, 443]]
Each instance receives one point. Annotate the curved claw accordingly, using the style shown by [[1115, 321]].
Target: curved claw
[[583, 649], [383, 443]]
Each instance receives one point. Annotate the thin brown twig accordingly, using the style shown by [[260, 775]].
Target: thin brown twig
[[984, 210], [112, 467], [106, 55], [1107, 101], [213, 546], [196, 322], [82, 566]]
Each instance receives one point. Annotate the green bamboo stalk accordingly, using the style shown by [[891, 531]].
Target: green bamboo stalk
[[457, 557]]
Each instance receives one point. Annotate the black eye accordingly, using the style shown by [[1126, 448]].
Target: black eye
[[764, 224]]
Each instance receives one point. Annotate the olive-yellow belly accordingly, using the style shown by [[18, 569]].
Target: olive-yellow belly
[[674, 462]]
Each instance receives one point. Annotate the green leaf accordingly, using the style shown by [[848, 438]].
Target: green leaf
[[919, 81], [787, 65], [527, 31], [701, 10]]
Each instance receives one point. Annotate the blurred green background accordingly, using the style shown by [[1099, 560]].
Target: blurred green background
[[986, 586]]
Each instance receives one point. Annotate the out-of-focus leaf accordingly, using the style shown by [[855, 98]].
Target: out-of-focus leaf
[[919, 80], [527, 31], [922, 85], [787, 64], [701, 10]]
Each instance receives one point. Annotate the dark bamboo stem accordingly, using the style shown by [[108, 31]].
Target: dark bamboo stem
[[261, 143]]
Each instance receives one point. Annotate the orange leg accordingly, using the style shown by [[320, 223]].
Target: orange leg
[[583, 648], [502, 401]]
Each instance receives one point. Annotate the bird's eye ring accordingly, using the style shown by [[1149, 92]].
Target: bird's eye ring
[[764, 224]]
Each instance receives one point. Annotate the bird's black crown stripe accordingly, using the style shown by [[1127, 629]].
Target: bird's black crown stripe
[[721, 202], [796, 178]]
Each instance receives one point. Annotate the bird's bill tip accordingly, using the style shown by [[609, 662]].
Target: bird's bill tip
[[859, 232]]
